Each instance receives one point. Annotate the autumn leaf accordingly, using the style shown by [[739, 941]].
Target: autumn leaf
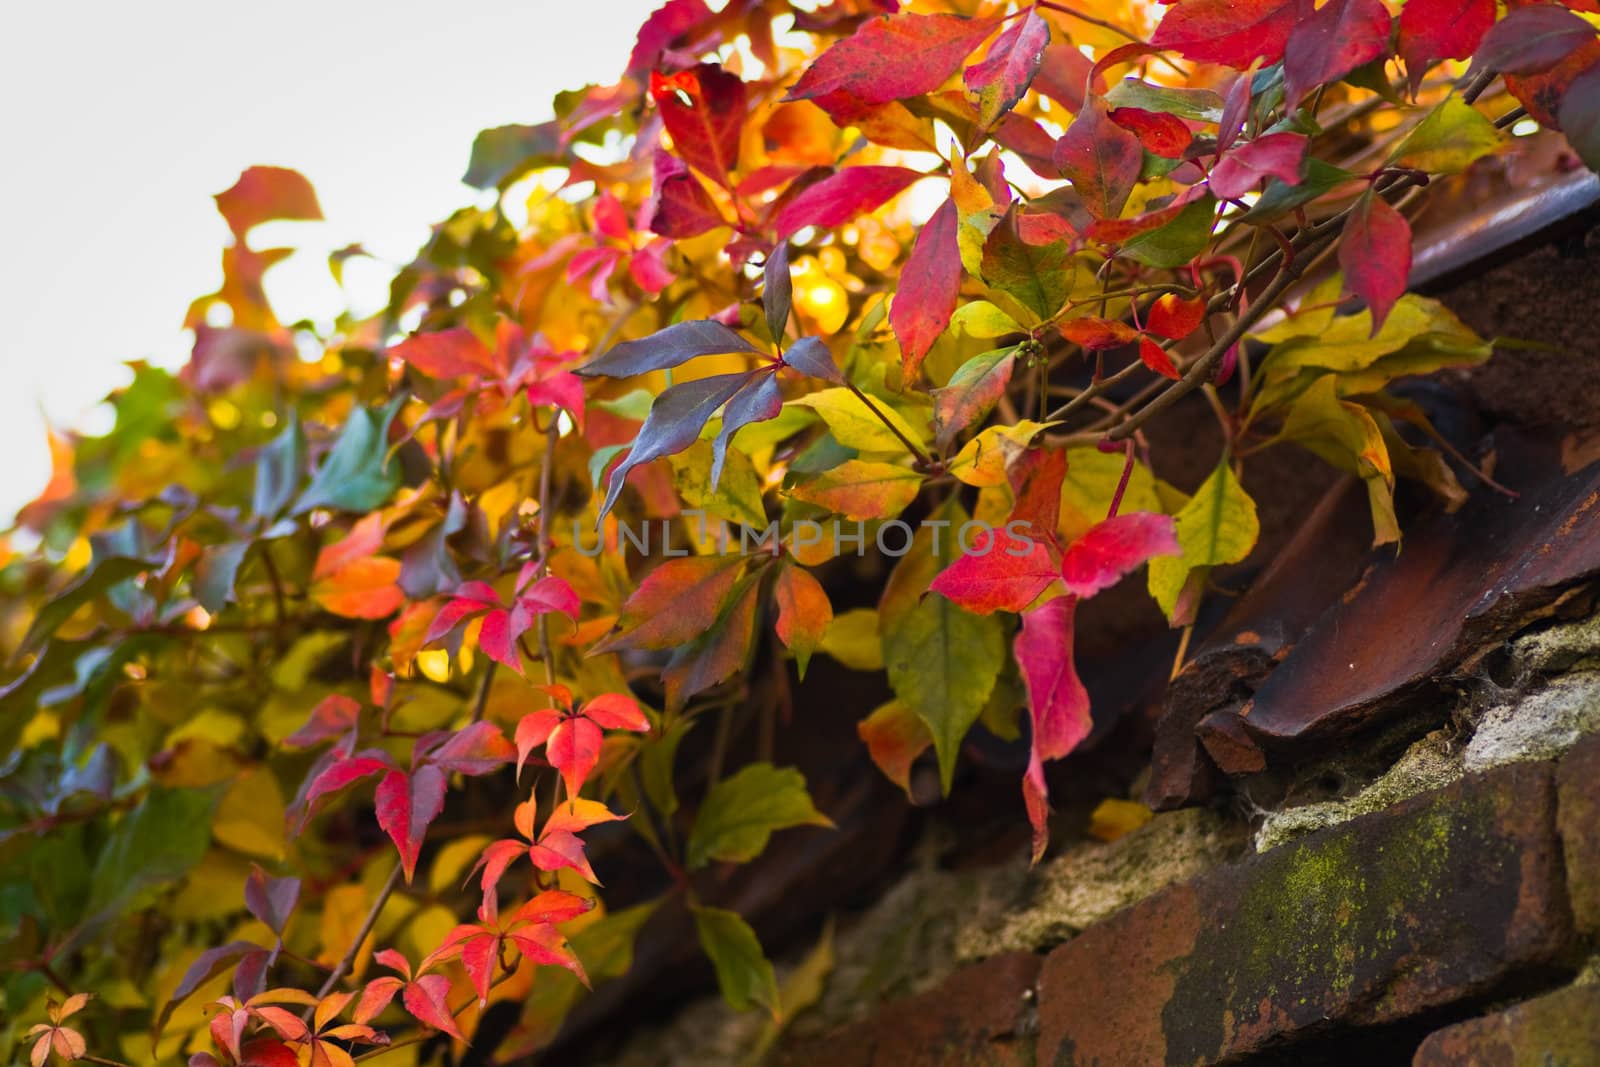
[[1451, 138], [842, 196], [870, 66], [1431, 30], [1100, 158], [1235, 33], [572, 736], [266, 194], [1160, 133], [1003, 77], [804, 613], [703, 108], [1375, 255], [1532, 39], [1217, 526], [971, 393], [1278, 155], [1332, 41], [927, 297], [1058, 704]]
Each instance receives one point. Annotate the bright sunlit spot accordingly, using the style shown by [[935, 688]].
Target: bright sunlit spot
[[376, 112]]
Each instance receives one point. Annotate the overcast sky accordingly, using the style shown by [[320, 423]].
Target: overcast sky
[[121, 120]]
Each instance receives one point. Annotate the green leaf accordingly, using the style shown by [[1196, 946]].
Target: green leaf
[[1446, 142], [1171, 246], [741, 812], [1202, 105], [743, 973], [100, 577], [214, 574], [503, 154], [982, 319], [358, 474], [152, 846], [942, 660], [1218, 525], [1038, 277], [278, 469]]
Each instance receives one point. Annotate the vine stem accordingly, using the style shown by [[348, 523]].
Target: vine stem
[[1199, 371], [343, 966], [921, 456]]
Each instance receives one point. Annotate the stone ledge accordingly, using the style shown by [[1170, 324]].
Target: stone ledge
[[1451, 895], [1561, 1029]]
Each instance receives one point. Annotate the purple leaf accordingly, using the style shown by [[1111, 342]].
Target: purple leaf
[[674, 423], [675, 345], [1532, 39], [812, 357], [271, 899], [757, 400], [777, 291]]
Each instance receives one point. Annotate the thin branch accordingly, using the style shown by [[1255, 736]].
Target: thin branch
[[343, 966], [911, 446]]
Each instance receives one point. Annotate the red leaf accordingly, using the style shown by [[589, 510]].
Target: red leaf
[[376, 996], [267, 1052], [498, 639], [1533, 39], [1063, 74], [1003, 77], [1375, 255], [448, 354], [839, 198], [552, 906], [1431, 30], [574, 748], [340, 774], [876, 65], [427, 1001], [473, 750], [1101, 160], [930, 282], [1155, 357], [1326, 45], [671, 21], [1232, 32], [334, 716], [263, 194], [544, 945], [496, 857], [1095, 333], [1175, 318], [1006, 570], [804, 613], [679, 206], [1161, 134], [534, 730], [406, 804], [1549, 92], [703, 108], [676, 602], [1279, 155], [1058, 705], [616, 711], [561, 848], [1109, 550]]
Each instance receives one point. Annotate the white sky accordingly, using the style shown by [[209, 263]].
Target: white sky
[[121, 120]]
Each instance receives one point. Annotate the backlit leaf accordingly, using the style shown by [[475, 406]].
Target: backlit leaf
[[1100, 158], [1003, 77], [1446, 142], [1338, 37], [930, 283]]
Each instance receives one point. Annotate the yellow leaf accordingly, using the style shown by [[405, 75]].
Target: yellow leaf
[[1345, 435], [250, 817], [1446, 142], [852, 639], [982, 461], [855, 426], [1113, 818], [1218, 525], [1091, 482]]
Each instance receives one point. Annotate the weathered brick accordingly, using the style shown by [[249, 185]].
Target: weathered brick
[[1561, 1029], [1450, 895], [1578, 807], [981, 1016]]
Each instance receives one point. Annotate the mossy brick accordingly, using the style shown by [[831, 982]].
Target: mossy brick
[[980, 1016], [1560, 1029], [1578, 807], [1452, 895]]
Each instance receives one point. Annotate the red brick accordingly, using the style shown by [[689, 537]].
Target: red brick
[[1450, 895], [1578, 807], [981, 1016], [1561, 1029]]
